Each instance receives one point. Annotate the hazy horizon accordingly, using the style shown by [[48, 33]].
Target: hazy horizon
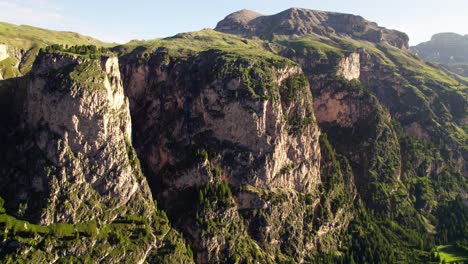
[[119, 21]]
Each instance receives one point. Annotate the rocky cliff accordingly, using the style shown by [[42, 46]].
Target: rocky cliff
[[83, 129], [390, 115], [208, 119], [82, 174]]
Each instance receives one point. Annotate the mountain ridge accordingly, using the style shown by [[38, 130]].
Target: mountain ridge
[[300, 21]]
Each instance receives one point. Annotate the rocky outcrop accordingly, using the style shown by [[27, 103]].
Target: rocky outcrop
[[70, 176], [338, 107], [83, 132], [300, 22], [333, 101], [254, 122], [352, 118], [350, 67], [215, 113], [3, 52]]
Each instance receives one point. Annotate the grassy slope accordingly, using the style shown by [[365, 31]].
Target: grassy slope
[[451, 254], [30, 39], [388, 55], [25, 37], [129, 234], [323, 46], [195, 42], [336, 46]]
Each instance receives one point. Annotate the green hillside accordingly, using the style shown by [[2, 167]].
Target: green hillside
[[23, 44], [25, 37]]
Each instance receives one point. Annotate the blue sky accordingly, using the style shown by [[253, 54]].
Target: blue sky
[[121, 21]]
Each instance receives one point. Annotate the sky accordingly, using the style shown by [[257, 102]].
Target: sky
[[124, 20]]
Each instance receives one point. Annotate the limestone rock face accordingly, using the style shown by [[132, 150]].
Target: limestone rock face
[[343, 105], [339, 107], [255, 122], [332, 101], [273, 151], [350, 67], [3, 52], [258, 126], [80, 113], [69, 169]]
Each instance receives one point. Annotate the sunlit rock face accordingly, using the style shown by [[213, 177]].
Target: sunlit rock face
[[83, 130], [3, 52], [257, 131]]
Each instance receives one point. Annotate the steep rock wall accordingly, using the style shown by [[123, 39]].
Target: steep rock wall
[[349, 67], [254, 122], [420, 103], [355, 122], [83, 132], [71, 180], [257, 125]]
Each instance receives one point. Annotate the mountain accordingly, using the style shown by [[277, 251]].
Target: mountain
[[301, 22], [449, 49], [292, 138]]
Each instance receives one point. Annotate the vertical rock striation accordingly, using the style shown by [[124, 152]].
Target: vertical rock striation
[[203, 120], [81, 119]]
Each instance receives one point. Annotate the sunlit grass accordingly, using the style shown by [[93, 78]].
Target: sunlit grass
[[25, 37], [451, 254]]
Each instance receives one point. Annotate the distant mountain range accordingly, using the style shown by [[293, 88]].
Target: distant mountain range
[[448, 49]]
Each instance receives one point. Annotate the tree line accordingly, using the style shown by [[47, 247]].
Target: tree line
[[90, 50]]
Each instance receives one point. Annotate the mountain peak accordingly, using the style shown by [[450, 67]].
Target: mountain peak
[[300, 21], [242, 16]]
